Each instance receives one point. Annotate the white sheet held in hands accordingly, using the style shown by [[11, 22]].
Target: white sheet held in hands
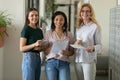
[[58, 46], [78, 43]]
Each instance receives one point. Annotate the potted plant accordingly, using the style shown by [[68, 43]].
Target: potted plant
[[50, 7], [5, 20]]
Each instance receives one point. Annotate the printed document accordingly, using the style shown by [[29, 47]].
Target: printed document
[[58, 46]]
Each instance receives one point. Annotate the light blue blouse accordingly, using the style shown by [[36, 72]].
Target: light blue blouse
[[91, 35]]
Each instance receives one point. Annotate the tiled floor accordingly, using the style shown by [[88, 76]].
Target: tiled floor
[[101, 77], [73, 77]]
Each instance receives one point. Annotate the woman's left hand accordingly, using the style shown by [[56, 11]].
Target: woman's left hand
[[90, 48], [65, 52]]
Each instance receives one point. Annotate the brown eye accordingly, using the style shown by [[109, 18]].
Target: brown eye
[[36, 15], [31, 15], [85, 11]]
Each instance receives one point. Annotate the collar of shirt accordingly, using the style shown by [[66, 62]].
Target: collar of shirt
[[87, 24]]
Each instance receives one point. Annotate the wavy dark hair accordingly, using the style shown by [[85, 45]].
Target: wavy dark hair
[[27, 20], [65, 26]]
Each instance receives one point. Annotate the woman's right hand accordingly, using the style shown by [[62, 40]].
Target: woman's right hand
[[47, 50], [38, 43], [78, 42]]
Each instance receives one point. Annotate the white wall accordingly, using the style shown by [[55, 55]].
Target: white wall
[[11, 56], [1, 63], [102, 8], [118, 2]]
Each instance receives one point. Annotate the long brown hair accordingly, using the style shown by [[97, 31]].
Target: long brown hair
[[27, 20], [92, 15]]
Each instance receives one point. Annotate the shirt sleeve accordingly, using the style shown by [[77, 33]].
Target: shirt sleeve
[[24, 32], [97, 39], [71, 37]]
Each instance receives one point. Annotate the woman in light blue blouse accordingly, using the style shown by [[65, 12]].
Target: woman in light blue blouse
[[89, 37]]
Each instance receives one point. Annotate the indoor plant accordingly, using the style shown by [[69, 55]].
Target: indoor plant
[[50, 7], [5, 20]]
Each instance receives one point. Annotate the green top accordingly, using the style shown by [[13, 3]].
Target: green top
[[31, 34]]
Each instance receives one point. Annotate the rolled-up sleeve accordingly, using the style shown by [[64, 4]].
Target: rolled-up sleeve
[[98, 44]]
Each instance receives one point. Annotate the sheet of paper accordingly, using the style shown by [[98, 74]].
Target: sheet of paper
[[77, 46], [58, 46]]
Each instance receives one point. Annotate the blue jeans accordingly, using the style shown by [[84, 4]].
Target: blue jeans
[[57, 70], [31, 66]]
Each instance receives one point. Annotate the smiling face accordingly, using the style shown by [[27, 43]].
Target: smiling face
[[33, 17], [59, 21], [85, 13]]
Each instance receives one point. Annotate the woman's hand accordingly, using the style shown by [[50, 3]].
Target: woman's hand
[[37, 48], [64, 52], [68, 52], [78, 42], [38, 43], [90, 48], [48, 48]]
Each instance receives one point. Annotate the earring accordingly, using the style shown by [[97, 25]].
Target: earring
[[63, 28]]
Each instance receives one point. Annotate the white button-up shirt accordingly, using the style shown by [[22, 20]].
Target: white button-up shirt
[[90, 34]]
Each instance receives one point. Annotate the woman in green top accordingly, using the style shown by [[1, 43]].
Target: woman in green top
[[30, 42]]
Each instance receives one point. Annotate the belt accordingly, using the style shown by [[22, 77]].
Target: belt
[[52, 58], [35, 51], [32, 54]]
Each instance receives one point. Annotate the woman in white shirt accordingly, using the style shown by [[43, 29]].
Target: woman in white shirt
[[89, 36]]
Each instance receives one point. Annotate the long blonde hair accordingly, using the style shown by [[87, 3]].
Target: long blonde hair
[[92, 15]]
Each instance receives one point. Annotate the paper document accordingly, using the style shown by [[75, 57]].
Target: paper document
[[77, 46], [58, 46]]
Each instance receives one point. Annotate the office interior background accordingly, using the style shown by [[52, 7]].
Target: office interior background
[[107, 13]]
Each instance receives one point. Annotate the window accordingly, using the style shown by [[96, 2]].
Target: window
[[32, 4]]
